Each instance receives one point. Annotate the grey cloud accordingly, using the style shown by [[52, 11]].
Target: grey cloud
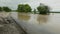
[[54, 4], [13, 3]]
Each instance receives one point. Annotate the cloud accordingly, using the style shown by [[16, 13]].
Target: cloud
[[54, 4]]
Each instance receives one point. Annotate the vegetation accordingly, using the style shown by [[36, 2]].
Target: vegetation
[[0, 8], [34, 11], [43, 9], [54, 11], [24, 8], [6, 9]]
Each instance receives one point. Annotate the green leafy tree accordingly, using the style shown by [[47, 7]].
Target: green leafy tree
[[0, 8], [20, 8], [43, 9], [7, 9], [24, 8], [34, 11], [27, 8]]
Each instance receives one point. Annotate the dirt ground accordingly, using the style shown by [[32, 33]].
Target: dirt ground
[[8, 26]]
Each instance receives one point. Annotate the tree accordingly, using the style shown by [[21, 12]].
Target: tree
[[43, 9], [0, 8], [20, 8], [7, 9], [24, 8], [27, 8], [34, 11]]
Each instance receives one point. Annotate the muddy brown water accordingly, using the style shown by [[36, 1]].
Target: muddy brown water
[[39, 24]]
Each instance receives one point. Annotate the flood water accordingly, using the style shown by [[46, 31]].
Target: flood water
[[39, 24]]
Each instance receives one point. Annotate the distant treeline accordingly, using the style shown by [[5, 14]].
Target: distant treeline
[[54, 12], [6, 9], [26, 8]]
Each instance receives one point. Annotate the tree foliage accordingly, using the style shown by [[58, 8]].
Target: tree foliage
[[43, 9], [24, 8], [34, 11], [7, 9], [0, 8]]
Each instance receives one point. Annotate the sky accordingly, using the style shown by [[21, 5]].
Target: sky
[[53, 4]]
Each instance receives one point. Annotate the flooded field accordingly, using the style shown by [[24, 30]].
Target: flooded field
[[39, 24]]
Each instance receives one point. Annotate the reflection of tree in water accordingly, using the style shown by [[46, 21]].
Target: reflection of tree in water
[[24, 17], [42, 18]]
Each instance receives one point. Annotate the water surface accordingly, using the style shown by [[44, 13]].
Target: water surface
[[40, 24]]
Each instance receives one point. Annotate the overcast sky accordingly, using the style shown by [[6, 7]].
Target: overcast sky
[[54, 4]]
